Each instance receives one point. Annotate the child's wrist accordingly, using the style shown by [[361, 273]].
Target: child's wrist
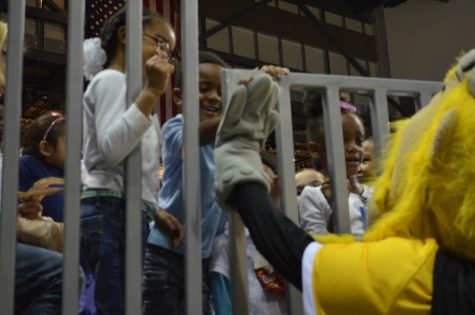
[[151, 92]]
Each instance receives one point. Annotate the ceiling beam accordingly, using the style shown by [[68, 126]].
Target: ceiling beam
[[294, 27], [231, 20], [340, 48]]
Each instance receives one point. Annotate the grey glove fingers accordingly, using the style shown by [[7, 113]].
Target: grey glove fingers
[[258, 93], [270, 123], [273, 97], [234, 109]]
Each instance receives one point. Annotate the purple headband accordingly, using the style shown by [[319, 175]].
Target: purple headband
[[348, 107], [52, 124]]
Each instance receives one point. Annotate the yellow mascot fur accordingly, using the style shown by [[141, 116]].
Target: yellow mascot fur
[[427, 189], [424, 205]]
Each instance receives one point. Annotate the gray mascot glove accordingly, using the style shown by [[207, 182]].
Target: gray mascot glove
[[248, 120]]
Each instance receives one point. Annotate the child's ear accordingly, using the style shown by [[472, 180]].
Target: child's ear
[[45, 149], [176, 96], [121, 34]]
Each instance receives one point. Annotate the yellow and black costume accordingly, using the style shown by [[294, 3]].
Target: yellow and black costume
[[418, 256]]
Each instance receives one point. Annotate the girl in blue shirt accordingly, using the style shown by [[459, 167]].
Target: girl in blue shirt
[[43, 156]]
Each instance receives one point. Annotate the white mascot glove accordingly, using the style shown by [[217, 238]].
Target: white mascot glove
[[248, 120], [467, 68]]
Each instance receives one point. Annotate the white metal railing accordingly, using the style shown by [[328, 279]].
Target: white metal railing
[[376, 89]]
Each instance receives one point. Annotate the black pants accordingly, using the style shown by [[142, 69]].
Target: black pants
[[276, 237]]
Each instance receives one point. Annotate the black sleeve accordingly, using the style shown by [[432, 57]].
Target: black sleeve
[[454, 285], [276, 237]]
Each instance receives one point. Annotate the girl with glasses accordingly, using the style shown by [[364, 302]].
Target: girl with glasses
[[112, 129]]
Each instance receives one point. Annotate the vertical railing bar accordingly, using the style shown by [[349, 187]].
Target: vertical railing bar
[[133, 226], [72, 174], [285, 153], [193, 263], [237, 237], [11, 138], [238, 262], [336, 160], [379, 120], [286, 165]]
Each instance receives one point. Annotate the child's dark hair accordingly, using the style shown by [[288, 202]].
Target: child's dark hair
[[47, 127], [204, 56], [112, 24], [313, 110]]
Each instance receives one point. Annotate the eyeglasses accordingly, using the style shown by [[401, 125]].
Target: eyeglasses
[[163, 47], [53, 123]]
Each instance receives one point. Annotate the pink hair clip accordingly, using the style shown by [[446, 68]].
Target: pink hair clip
[[348, 107]]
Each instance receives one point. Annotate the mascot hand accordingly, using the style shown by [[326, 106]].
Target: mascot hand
[[467, 69], [248, 120]]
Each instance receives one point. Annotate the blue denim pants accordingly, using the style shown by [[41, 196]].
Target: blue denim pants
[[103, 249], [38, 281], [164, 283]]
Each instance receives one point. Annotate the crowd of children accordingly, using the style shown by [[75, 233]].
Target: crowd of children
[[314, 202], [112, 129]]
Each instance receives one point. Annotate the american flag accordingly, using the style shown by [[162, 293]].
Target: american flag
[[97, 11]]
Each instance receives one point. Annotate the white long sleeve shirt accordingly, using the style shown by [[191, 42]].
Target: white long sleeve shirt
[[315, 210], [110, 133]]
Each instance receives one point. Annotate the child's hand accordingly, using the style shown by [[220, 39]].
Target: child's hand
[[30, 209], [157, 74], [352, 188], [275, 72], [171, 226], [41, 189]]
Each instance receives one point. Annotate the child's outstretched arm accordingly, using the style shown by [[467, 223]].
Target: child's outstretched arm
[[208, 130]]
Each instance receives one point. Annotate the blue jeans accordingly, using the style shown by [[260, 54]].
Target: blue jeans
[[164, 281], [103, 249], [38, 280]]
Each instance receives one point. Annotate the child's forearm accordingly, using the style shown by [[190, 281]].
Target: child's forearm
[[157, 74], [208, 130], [146, 101]]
